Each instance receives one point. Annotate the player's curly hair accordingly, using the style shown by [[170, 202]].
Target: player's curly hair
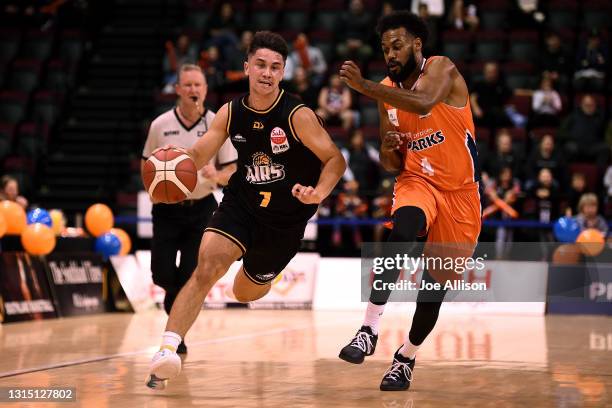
[[269, 40], [403, 18]]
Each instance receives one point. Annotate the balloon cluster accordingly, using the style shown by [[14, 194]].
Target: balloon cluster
[[39, 228], [578, 242]]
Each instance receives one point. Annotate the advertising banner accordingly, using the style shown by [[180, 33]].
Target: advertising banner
[[24, 288], [77, 282]]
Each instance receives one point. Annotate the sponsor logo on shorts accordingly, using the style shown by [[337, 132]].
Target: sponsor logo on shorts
[[426, 142], [264, 276], [278, 141], [264, 170]]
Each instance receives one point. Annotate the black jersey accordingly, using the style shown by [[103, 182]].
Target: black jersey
[[271, 160]]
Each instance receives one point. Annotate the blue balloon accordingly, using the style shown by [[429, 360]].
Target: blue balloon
[[566, 229], [108, 245], [39, 215]]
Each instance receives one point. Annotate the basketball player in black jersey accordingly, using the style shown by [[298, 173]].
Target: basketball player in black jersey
[[287, 164]]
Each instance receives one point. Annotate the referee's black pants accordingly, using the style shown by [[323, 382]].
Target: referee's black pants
[[177, 227]]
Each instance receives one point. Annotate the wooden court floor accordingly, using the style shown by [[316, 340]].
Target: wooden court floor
[[248, 358]]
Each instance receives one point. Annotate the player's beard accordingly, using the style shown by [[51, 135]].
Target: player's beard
[[405, 70]]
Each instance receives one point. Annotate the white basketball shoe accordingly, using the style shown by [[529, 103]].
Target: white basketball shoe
[[166, 364]]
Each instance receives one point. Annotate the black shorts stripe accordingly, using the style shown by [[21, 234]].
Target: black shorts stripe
[[228, 236]]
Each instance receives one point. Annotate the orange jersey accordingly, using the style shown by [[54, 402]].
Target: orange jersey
[[441, 144]]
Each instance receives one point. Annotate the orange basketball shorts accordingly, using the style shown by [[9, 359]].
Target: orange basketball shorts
[[453, 218]]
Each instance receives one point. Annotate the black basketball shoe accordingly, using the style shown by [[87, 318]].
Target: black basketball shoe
[[182, 348], [399, 375], [362, 345]]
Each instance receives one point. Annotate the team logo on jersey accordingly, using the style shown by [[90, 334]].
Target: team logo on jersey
[[201, 133], [393, 116], [426, 142], [238, 138], [278, 141], [258, 125], [263, 170]]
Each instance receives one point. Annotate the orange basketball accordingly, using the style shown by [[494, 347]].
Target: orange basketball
[[591, 242], [99, 219], [38, 239], [567, 254], [169, 176], [15, 217]]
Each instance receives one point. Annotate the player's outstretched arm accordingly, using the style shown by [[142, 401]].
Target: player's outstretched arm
[[314, 137], [432, 88], [210, 143]]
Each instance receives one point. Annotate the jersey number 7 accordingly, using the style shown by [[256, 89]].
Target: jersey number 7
[[266, 198]]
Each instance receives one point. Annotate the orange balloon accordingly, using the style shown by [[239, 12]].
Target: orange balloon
[[124, 238], [99, 219], [2, 225], [38, 239], [566, 254], [591, 242], [15, 217]]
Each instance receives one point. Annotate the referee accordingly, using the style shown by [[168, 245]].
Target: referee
[[179, 227]]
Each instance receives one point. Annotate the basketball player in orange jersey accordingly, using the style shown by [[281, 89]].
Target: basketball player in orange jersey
[[427, 136]]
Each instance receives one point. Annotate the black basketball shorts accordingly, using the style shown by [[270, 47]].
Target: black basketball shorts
[[266, 249]]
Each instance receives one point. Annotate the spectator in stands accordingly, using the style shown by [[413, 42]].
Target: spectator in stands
[[608, 183], [224, 27], [335, 103], [351, 205], [489, 97], [213, 67], [387, 8], [591, 62], [545, 104], [236, 57], [308, 57], [362, 160], [432, 27], [578, 187], [546, 196], [587, 214], [381, 207], [463, 17], [183, 52], [582, 134], [300, 85], [505, 156], [9, 190], [554, 60], [526, 14], [507, 188], [545, 157], [354, 33]]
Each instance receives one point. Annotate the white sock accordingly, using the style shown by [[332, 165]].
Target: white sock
[[372, 316], [170, 340], [409, 350]]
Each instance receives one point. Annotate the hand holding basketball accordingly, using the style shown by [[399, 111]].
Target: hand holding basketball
[[169, 175], [306, 194]]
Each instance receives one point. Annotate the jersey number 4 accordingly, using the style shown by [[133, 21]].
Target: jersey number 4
[[266, 198], [426, 167]]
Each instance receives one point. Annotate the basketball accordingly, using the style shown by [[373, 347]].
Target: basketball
[[169, 176]]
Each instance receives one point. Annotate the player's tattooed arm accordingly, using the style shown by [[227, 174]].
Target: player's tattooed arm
[[432, 88], [391, 143], [315, 137], [210, 143]]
